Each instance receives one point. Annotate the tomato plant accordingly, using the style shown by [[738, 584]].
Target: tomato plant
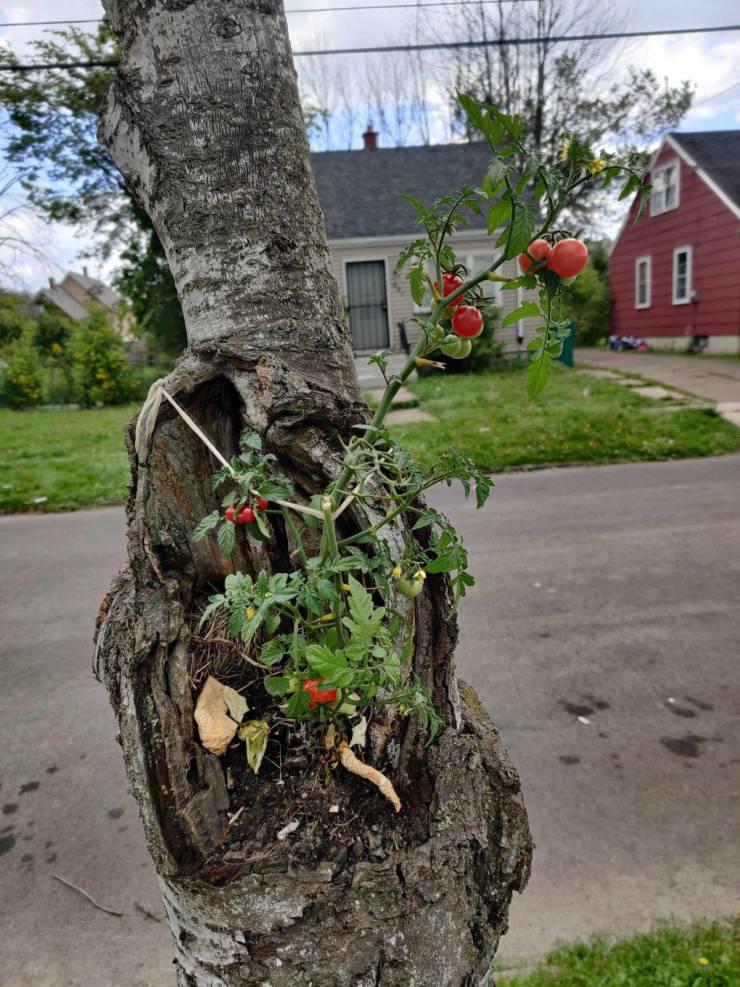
[[333, 634]]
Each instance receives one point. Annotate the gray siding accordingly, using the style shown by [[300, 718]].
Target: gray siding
[[401, 305]]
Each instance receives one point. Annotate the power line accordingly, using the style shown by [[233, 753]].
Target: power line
[[495, 43], [722, 92], [302, 10]]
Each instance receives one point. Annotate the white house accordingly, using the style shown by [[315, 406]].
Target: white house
[[368, 224]]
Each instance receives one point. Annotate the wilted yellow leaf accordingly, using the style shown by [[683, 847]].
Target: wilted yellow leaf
[[358, 733], [255, 734], [215, 727], [236, 703]]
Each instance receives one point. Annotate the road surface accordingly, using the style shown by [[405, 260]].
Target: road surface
[[603, 635]]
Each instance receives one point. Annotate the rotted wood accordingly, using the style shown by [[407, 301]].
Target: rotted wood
[[204, 122]]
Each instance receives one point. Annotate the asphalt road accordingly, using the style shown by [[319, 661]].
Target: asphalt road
[[603, 635]]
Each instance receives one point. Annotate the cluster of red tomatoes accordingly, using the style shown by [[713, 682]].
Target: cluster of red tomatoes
[[566, 258], [246, 515], [467, 322], [318, 697]]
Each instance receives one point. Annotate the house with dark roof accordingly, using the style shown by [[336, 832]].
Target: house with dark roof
[[675, 275], [77, 293], [368, 224]]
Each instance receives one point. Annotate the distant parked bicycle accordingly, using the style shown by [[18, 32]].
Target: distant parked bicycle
[[620, 343]]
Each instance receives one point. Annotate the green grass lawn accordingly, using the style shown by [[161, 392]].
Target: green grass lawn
[[704, 956], [576, 419], [77, 458], [71, 458]]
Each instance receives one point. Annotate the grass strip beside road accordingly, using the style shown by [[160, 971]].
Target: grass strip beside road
[[63, 460], [576, 419], [71, 459], [702, 956]]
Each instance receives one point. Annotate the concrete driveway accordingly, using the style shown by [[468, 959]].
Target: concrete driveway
[[712, 378], [603, 634]]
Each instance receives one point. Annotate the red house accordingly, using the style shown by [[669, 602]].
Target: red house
[[675, 275]]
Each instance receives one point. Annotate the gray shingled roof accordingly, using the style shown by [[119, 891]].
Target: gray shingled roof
[[98, 289], [69, 305], [360, 191], [717, 152]]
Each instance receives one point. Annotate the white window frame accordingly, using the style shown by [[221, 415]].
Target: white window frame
[[655, 210], [647, 261], [688, 250], [467, 260]]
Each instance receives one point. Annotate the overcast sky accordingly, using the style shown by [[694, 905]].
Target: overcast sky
[[710, 61]]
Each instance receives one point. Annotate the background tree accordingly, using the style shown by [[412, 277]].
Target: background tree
[[100, 374], [579, 87], [69, 176], [588, 302], [193, 116]]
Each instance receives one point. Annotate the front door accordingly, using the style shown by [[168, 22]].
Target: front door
[[368, 304]]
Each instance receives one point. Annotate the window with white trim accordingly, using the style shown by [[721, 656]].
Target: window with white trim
[[474, 264], [665, 182], [682, 275], [643, 285]]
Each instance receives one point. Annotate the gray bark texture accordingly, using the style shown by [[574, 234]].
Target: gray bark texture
[[204, 121]]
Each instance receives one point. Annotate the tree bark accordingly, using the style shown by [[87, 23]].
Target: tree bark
[[204, 121]]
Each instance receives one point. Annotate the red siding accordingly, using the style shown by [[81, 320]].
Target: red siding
[[701, 221]]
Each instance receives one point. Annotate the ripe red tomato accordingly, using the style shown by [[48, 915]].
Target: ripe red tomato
[[467, 322], [260, 504], [568, 257], [230, 514], [316, 695], [450, 283], [539, 249], [245, 516]]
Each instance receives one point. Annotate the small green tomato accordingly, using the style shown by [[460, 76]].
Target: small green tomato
[[458, 349], [410, 588]]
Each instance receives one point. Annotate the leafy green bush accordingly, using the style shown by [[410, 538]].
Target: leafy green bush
[[12, 319], [587, 303], [100, 374], [142, 379], [23, 383]]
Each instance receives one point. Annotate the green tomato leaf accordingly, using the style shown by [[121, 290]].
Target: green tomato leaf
[[226, 537], [278, 685], [525, 310], [538, 373], [498, 214], [206, 524]]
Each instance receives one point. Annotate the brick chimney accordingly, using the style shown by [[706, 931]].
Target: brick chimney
[[370, 138]]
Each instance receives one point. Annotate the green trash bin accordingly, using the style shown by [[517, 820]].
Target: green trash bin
[[568, 354]]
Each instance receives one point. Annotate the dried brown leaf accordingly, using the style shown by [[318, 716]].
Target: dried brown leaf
[[215, 726]]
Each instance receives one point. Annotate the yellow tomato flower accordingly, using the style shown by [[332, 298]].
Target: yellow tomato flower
[[704, 961], [595, 166], [420, 574], [396, 572], [250, 612], [346, 587]]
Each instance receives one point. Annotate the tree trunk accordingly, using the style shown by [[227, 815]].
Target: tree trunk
[[204, 121]]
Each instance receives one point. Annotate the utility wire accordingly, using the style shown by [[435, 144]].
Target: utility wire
[[722, 92], [501, 42], [301, 10]]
